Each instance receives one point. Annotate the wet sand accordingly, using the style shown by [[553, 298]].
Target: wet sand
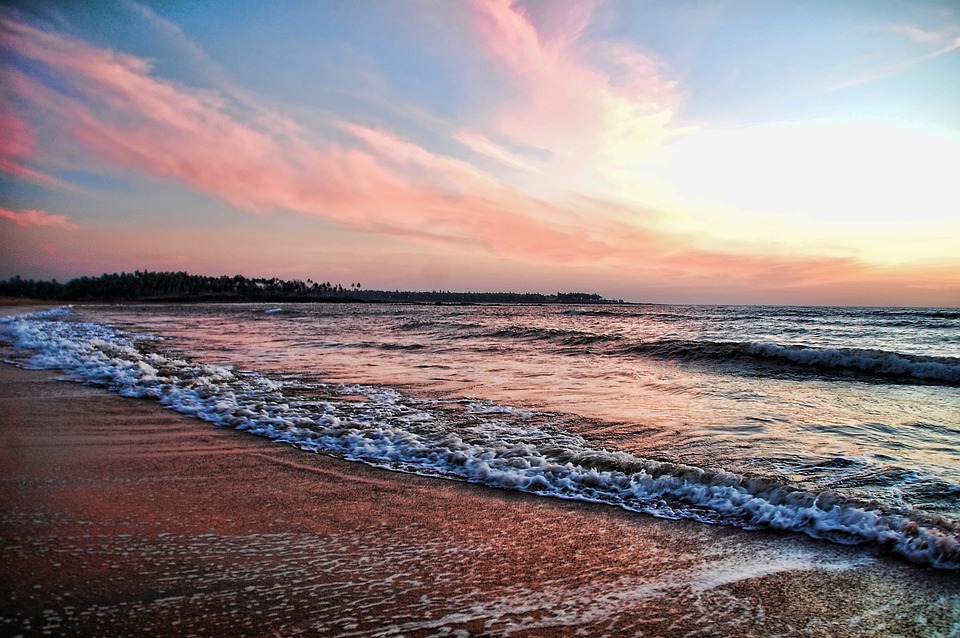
[[119, 518]]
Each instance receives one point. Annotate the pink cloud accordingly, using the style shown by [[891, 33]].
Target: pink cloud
[[37, 219], [16, 145], [16, 141], [388, 185], [592, 105], [480, 143]]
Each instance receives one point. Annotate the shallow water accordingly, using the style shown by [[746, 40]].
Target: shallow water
[[837, 423]]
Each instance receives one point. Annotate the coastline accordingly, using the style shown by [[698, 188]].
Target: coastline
[[121, 517]]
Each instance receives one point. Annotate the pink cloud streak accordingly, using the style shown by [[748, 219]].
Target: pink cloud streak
[[137, 121], [16, 145], [592, 105], [37, 219]]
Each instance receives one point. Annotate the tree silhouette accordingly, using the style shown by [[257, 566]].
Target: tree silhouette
[[144, 285]]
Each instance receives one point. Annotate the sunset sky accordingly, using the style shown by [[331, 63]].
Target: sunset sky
[[669, 151]]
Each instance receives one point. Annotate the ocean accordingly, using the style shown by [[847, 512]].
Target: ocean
[[840, 424]]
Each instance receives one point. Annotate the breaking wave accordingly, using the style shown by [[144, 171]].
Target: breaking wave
[[875, 363], [480, 443]]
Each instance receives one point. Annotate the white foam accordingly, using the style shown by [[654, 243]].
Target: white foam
[[862, 361], [735, 567]]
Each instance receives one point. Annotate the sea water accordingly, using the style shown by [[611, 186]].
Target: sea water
[[837, 423]]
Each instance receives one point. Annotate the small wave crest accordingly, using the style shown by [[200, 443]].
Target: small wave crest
[[871, 363], [583, 312], [945, 369], [480, 443], [933, 313], [558, 336]]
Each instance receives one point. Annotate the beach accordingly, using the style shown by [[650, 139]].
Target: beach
[[122, 518]]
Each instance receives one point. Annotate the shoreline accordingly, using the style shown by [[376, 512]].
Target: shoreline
[[122, 517]]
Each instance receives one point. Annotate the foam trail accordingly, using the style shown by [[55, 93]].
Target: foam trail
[[485, 443]]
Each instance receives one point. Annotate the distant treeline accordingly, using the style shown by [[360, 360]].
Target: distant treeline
[[143, 285]]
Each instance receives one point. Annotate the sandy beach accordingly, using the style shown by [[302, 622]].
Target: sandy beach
[[122, 518]]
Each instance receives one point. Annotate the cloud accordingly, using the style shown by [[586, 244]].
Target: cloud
[[597, 107], [198, 61], [480, 143], [16, 145], [927, 44], [16, 142], [915, 33], [116, 108], [37, 219], [941, 40]]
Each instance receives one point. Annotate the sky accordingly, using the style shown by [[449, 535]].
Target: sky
[[674, 151]]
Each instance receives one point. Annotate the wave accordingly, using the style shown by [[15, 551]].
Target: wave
[[873, 363], [945, 369], [943, 314], [562, 337], [582, 312], [402, 346], [935, 313], [481, 443]]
